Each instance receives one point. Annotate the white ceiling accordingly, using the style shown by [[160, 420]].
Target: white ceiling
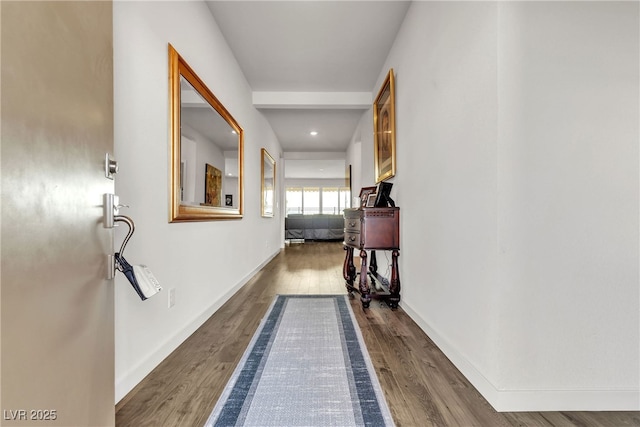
[[312, 65], [335, 128], [315, 169]]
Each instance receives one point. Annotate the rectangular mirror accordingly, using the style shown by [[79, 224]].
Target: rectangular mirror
[[268, 183], [206, 150]]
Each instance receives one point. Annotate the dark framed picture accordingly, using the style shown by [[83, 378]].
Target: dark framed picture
[[364, 195], [228, 199], [384, 126], [347, 183], [383, 190]]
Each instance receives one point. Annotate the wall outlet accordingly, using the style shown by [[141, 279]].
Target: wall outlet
[[172, 297]]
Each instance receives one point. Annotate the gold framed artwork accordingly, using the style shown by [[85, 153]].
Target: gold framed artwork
[[384, 130], [212, 185]]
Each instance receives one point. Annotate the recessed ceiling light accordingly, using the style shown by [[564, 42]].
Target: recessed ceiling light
[[313, 133], [234, 132]]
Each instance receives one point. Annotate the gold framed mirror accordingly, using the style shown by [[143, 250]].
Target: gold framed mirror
[[207, 150], [268, 186]]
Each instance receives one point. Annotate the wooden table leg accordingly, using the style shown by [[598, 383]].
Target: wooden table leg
[[365, 297], [373, 263], [394, 285], [348, 269]]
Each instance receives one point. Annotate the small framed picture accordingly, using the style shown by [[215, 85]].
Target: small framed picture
[[364, 195], [383, 189], [371, 200]]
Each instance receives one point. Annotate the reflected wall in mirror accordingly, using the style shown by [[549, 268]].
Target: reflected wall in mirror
[[268, 184], [206, 150]]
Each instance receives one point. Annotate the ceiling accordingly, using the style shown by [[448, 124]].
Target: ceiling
[[312, 65]]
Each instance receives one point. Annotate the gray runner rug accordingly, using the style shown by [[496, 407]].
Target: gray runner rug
[[306, 365]]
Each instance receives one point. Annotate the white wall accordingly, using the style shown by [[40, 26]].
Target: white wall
[[314, 182], [517, 176], [568, 202], [360, 154], [204, 262], [354, 159]]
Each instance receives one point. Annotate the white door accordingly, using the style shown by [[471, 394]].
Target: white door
[[57, 344]]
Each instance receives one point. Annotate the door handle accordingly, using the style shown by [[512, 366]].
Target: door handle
[[110, 208]]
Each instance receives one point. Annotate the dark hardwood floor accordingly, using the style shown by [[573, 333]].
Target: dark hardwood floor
[[420, 384]]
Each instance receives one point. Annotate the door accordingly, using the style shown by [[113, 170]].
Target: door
[[56, 311]]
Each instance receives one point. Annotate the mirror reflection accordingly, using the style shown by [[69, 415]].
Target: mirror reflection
[[268, 183], [208, 153], [206, 150]]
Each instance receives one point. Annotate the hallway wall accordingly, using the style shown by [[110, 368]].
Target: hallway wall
[[517, 176], [204, 262]]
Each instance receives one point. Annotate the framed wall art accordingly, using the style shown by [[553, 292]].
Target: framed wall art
[[268, 183], [384, 130], [347, 183], [212, 185]]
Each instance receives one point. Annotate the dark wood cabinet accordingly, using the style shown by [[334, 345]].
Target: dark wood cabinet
[[372, 229]]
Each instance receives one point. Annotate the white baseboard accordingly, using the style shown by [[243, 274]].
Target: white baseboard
[[567, 400], [136, 374], [529, 400]]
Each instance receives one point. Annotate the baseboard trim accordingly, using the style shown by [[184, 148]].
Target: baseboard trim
[[529, 400], [567, 400], [127, 382]]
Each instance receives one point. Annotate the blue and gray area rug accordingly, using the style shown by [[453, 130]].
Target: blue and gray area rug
[[305, 366]]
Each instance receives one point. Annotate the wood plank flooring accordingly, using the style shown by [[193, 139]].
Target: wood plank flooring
[[421, 386]]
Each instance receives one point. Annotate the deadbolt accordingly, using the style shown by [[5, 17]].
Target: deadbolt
[[110, 166]]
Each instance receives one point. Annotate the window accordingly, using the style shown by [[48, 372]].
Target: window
[[310, 200], [330, 203], [314, 200], [344, 199], [293, 201]]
